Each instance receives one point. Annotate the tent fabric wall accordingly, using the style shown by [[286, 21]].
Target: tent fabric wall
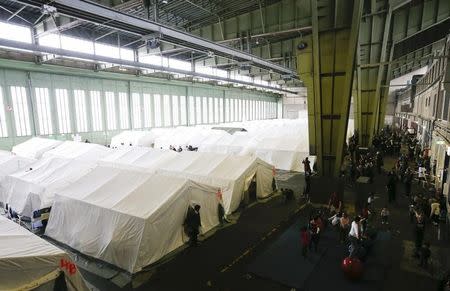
[[10, 164], [227, 172], [78, 150], [138, 158], [139, 216], [35, 147], [133, 138], [30, 190], [26, 258]]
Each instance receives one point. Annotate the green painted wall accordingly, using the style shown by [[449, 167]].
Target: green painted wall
[[31, 76]]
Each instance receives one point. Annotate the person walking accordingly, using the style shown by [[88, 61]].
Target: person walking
[[305, 240], [314, 230], [419, 232], [391, 185], [192, 224], [344, 227]]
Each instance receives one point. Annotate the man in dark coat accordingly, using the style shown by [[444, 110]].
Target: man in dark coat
[[192, 224]]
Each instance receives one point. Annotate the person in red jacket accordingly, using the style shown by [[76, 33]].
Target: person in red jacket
[[304, 240]]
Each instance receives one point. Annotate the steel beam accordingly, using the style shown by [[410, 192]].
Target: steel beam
[[131, 64], [92, 12]]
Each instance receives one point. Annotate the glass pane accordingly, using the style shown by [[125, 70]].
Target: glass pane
[[20, 109], [216, 110], [205, 109], [175, 110], [3, 128], [191, 110], [227, 110], [80, 110], [62, 106], [123, 111], [137, 121], [148, 120], [43, 111], [221, 109], [210, 110], [158, 115], [183, 110], [167, 111], [111, 120], [198, 110], [96, 111]]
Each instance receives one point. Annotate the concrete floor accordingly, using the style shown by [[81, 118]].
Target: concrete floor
[[221, 262]]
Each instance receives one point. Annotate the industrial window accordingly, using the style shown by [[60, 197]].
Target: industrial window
[[20, 109], [232, 110], [43, 111], [198, 110], [175, 110], [205, 109], [147, 110], [111, 120], [62, 106], [244, 109], [191, 110], [167, 113], [3, 128], [264, 103], [123, 110], [137, 121], [216, 110], [210, 110], [252, 109], [227, 110], [80, 110], [183, 110], [157, 107], [220, 109], [240, 107], [15, 32], [96, 111], [258, 104]]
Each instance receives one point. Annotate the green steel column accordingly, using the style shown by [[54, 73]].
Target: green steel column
[[326, 66], [375, 33]]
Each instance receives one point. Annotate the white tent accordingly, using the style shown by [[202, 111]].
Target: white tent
[[285, 153], [133, 138], [127, 218], [233, 174], [138, 158], [9, 164], [35, 147], [30, 190], [78, 150], [28, 262]]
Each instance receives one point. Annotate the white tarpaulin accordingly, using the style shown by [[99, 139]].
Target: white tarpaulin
[[28, 262], [138, 158], [133, 138], [9, 164], [30, 190], [78, 150], [127, 218], [229, 172], [35, 147]]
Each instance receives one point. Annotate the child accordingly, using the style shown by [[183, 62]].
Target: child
[[304, 240], [385, 216]]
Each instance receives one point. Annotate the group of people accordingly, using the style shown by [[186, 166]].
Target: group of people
[[188, 148], [414, 164]]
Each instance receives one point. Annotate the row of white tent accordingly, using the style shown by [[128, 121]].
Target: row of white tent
[[282, 143], [137, 197]]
